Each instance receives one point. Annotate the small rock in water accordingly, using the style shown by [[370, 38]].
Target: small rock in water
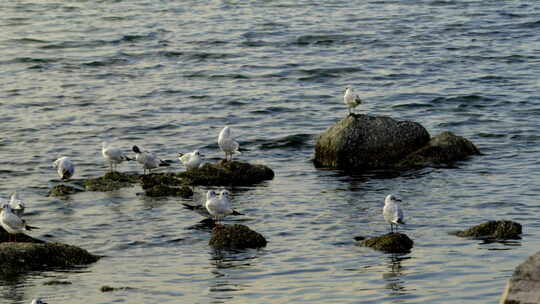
[[63, 190], [110, 181], [493, 230], [106, 288], [391, 243], [163, 190], [57, 282], [235, 237]]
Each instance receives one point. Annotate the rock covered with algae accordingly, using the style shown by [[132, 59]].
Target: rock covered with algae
[[493, 230], [21, 237], [235, 237], [390, 242], [227, 173], [23, 256], [362, 142], [63, 190], [524, 286], [110, 181], [164, 184]]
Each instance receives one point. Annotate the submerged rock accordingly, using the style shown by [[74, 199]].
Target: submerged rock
[[524, 286], [368, 142], [110, 181], [19, 257], [445, 148], [106, 288], [227, 173], [390, 242], [493, 230], [235, 237], [163, 190], [362, 142], [63, 190]]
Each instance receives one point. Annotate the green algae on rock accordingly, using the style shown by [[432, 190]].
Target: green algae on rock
[[390, 242], [235, 237], [493, 230], [163, 190], [63, 190], [226, 173], [20, 257], [164, 184], [110, 181]]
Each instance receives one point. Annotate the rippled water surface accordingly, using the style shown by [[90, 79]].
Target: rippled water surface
[[168, 75]]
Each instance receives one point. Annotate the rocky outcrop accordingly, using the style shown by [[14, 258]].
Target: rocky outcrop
[[110, 181], [164, 184], [391, 243], [226, 173], [235, 237], [493, 230], [23, 256], [524, 286], [445, 148], [362, 142]]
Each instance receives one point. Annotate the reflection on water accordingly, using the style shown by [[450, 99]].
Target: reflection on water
[[395, 282]]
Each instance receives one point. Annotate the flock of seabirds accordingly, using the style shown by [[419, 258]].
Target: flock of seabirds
[[217, 205]]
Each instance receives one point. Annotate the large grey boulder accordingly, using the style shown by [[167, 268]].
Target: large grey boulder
[[362, 142], [524, 286], [368, 142]]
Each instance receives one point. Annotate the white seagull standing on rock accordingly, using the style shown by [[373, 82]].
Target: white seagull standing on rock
[[218, 207], [148, 160], [192, 160], [392, 212], [115, 156], [16, 204], [351, 100], [227, 143], [12, 223], [64, 167]]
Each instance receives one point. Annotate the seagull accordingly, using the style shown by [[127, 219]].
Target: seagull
[[16, 204], [392, 212], [218, 206], [12, 223], [149, 160], [115, 156], [351, 100], [191, 160], [201, 209], [64, 167], [37, 301], [227, 143]]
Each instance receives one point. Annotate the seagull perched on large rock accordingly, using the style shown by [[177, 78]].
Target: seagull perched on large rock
[[392, 211], [227, 143], [64, 167], [114, 155], [351, 100], [12, 223], [148, 160]]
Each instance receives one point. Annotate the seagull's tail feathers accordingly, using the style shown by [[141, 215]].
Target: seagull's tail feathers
[[28, 227], [234, 212]]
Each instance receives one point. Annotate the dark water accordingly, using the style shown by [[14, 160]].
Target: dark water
[[168, 75]]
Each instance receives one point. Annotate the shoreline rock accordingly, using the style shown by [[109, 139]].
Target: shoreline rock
[[390, 243], [499, 230], [524, 286], [362, 142], [235, 237]]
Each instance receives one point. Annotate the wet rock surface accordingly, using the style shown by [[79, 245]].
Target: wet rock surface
[[235, 237], [21, 237], [362, 142], [391, 243], [524, 286], [63, 190], [110, 181], [21, 256], [445, 148], [226, 173], [493, 230]]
